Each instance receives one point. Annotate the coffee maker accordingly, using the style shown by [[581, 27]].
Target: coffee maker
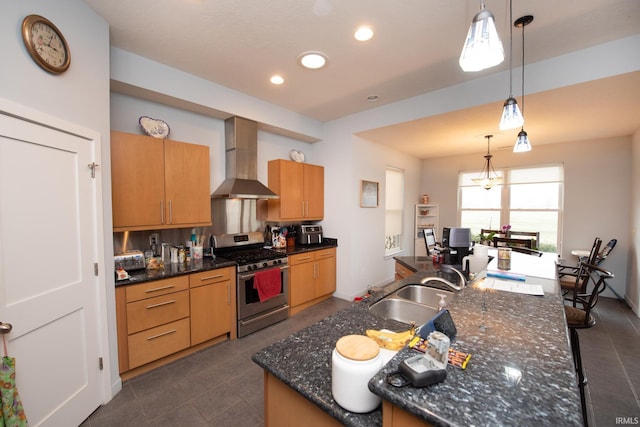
[[456, 242]]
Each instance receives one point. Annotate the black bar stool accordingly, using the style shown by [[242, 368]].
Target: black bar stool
[[582, 318]]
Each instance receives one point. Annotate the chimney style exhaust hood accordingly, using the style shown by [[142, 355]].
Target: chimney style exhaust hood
[[241, 160]]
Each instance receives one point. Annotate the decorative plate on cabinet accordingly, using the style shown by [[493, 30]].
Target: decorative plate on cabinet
[[296, 156], [154, 127]]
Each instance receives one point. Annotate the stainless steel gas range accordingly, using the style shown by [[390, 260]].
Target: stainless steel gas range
[[247, 249]]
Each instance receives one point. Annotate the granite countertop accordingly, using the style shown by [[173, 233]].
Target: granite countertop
[[303, 360], [209, 263], [297, 248], [173, 270], [525, 336]]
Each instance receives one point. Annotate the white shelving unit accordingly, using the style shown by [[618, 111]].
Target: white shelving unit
[[426, 217]]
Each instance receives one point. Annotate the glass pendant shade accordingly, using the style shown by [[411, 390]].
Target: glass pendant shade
[[522, 143], [482, 48], [488, 183], [511, 115]]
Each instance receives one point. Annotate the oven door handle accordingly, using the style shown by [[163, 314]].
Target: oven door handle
[[245, 276]]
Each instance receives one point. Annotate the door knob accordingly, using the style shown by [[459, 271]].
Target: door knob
[[5, 328]]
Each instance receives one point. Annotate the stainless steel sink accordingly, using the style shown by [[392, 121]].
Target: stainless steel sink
[[403, 310], [412, 303], [423, 295]]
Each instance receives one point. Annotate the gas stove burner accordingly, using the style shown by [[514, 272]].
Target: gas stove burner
[[254, 255], [251, 259]]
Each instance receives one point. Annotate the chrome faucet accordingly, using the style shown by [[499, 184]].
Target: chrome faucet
[[463, 280]]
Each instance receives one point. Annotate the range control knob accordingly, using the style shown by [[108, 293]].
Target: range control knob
[[264, 264]]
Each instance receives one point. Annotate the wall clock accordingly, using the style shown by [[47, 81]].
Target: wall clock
[[46, 44]]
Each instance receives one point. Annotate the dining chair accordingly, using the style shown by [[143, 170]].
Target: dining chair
[[582, 318], [571, 278], [523, 250], [512, 243], [487, 231], [606, 251], [533, 235]]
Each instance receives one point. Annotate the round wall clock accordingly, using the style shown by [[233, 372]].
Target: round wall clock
[[46, 44]]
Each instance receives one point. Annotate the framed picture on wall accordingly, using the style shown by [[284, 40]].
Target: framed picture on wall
[[368, 194]]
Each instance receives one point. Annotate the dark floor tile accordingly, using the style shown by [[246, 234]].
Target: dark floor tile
[[180, 415], [162, 400], [213, 404], [239, 415]]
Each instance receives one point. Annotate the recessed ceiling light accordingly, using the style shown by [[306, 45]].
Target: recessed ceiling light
[[372, 98], [363, 33], [312, 60], [276, 79]]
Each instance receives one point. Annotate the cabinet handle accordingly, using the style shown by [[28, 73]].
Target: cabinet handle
[[170, 211], [228, 294], [307, 210], [304, 258], [161, 211], [162, 334], [217, 276], [160, 304], [315, 270], [159, 289], [303, 209]]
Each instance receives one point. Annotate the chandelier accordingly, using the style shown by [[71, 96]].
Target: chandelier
[[488, 178]]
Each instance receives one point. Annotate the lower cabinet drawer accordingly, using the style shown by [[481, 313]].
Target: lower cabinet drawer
[[152, 344], [403, 271], [156, 311]]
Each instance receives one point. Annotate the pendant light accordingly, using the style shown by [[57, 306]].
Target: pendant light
[[522, 143], [511, 116], [488, 178], [482, 48]]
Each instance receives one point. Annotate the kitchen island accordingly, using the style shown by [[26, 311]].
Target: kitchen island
[[520, 373]]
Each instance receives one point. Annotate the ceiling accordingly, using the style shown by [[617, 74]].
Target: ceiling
[[415, 50]]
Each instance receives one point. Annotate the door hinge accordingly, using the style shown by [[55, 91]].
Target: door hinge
[[100, 363], [95, 268]]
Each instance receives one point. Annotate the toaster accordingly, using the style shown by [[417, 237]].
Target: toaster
[[309, 235], [132, 260]]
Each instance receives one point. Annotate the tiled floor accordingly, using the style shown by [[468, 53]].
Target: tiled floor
[[221, 386]]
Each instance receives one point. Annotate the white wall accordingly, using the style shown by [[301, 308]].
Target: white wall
[[80, 97], [597, 191], [633, 256]]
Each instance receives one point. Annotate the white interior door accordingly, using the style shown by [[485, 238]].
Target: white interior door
[[48, 288]]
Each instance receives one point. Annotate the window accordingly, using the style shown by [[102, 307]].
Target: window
[[394, 212], [530, 199]]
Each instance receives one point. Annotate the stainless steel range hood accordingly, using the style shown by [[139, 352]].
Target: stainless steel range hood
[[241, 159]]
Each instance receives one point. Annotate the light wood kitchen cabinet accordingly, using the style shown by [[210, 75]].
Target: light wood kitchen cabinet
[[402, 272], [283, 406], [153, 320], [301, 190], [312, 278], [212, 304], [163, 320], [158, 183]]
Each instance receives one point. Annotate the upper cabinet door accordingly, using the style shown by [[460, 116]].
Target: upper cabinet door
[[137, 180], [286, 180], [187, 188], [158, 183], [314, 191]]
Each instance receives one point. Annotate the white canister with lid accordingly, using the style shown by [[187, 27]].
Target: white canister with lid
[[355, 360]]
